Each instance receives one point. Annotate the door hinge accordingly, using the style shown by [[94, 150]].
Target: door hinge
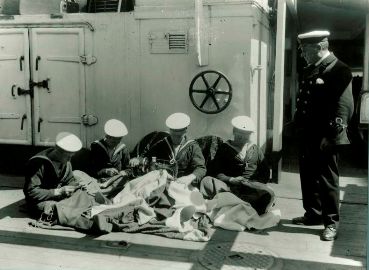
[[88, 59], [89, 119]]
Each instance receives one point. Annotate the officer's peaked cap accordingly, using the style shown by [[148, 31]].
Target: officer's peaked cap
[[313, 37]]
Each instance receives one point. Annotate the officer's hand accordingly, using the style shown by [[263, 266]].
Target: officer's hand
[[111, 171], [236, 180], [325, 144], [134, 162]]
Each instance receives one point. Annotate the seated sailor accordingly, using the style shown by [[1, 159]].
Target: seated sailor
[[177, 150], [110, 158], [239, 166], [49, 177]]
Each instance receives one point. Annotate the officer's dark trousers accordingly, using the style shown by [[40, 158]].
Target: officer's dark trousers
[[319, 181]]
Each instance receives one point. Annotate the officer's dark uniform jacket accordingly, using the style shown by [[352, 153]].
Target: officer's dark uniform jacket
[[43, 176], [102, 159], [189, 159], [325, 103]]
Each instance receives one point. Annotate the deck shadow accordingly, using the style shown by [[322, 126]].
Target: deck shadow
[[14, 210], [286, 226]]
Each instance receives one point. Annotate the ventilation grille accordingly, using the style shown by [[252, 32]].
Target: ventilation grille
[[177, 41], [168, 42], [110, 5]]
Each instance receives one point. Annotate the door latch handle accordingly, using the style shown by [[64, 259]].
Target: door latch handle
[[21, 91], [40, 120], [21, 59], [24, 117], [43, 84], [38, 58], [12, 91]]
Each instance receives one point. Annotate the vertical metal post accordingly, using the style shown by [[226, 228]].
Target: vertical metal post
[[366, 56], [293, 70], [119, 5], [365, 87], [201, 43], [278, 91]]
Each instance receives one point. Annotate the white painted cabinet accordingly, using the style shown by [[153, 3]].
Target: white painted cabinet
[[45, 92], [15, 110], [55, 58]]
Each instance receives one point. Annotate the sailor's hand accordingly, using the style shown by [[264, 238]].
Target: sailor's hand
[[111, 171], [65, 191], [236, 180], [123, 173], [134, 162], [170, 177], [185, 180], [104, 185]]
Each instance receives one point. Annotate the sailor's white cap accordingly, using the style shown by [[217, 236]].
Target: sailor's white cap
[[243, 123], [313, 36], [178, 121], [68, 142], [115, 128]]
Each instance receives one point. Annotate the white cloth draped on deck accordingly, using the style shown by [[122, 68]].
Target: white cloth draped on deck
[[225, 210]]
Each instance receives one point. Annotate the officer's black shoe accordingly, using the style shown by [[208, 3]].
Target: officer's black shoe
[[307, 221], [329, 233]]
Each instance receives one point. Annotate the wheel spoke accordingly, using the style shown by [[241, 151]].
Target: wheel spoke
[[199, 91], [205, 81], [222, 92], [204, 101], [215, 101], [217, 81]]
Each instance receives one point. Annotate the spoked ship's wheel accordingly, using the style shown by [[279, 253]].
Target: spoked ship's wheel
[[210, 92]]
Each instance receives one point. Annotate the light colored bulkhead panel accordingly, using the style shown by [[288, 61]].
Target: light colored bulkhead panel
[[56, 57], [15, 100]]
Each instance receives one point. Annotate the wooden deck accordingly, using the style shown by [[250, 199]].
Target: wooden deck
[[297, 247]]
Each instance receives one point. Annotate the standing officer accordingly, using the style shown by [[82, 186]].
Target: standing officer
[[323, 109]]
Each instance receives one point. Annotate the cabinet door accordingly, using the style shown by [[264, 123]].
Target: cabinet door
[[15, 110], [56, 64]]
